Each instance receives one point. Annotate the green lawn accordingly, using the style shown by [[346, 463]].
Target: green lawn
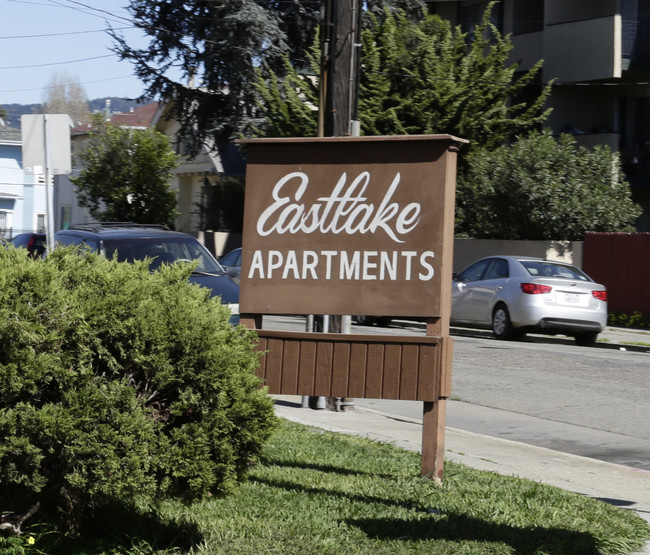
[[316, 492]]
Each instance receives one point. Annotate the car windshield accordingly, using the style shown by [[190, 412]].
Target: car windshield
[[167, 250], [550, 269]]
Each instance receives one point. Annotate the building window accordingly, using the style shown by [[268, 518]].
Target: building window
[[3, 222], [65, 217], [40, 223], [527, 17], [470, 15]]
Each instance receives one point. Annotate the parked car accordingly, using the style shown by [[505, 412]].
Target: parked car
[[35, 243], [130, 242], [514, 295], [232, 263]]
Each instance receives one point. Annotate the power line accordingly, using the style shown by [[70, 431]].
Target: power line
[[47, 35], [55, 86], [59, 63]]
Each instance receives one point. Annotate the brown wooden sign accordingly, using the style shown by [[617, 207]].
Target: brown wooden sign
[[345, 225]]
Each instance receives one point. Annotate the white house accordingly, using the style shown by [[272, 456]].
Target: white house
[[22, 195]]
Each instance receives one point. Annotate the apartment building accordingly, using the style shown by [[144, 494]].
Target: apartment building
[[597, 53]]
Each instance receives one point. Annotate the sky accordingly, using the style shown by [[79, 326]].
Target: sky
[[42, 38]]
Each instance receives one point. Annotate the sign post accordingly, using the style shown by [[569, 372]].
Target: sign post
[[354, 225]]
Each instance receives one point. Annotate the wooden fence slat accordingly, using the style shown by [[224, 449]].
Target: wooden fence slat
[[427, 389], [291, 358], [323, 378], [408, 384], [375, 372], [358, 364], [392, 360], [340, 369], [306, 367]]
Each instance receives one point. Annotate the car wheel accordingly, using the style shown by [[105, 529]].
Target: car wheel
[[501, 324], [586, 339]]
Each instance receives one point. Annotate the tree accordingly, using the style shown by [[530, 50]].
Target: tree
[[215, 45], [126, 175], [289, 104], [545, 188], [420, 76], [430, 77], [203, 56], [64, 95]]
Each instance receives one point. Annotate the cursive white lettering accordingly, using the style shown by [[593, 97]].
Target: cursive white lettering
[[346, 210]]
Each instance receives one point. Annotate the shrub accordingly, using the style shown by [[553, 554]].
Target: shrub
[[543, 188], [635, 320], [116, 382]]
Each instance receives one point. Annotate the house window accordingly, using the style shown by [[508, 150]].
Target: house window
[[3, 222], [40, 223]]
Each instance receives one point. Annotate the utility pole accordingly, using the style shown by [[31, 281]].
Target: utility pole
[[340, 63], [340, 34]]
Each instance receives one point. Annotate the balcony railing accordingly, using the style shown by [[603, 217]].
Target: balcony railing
[[636, 42]]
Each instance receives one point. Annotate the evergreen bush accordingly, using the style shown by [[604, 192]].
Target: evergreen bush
[[117, 383]]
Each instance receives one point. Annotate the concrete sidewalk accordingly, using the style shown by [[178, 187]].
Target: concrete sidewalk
[[622, 486]]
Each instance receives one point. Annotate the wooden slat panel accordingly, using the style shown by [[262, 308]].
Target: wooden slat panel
[[358, 363], [409, 368], [392, 363], [290, 358], [307, 366], [408, 384], [340, 369], [323, 374], [375, 372], [273, 374]]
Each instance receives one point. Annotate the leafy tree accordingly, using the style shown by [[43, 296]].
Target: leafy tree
[[3, 112], [119, 386], [126, 175], [64, 95], [541, 187], [420, 77]]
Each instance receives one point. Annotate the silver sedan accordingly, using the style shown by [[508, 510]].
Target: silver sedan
[[514, 295]]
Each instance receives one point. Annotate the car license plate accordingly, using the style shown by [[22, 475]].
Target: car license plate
[[572, 298]]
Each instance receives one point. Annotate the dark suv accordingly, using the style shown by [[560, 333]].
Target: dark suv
[[131, 242]]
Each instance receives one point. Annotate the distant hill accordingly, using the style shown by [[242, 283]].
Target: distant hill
[[14, 111]]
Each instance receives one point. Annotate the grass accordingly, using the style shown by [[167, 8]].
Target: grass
[[316, 492]]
